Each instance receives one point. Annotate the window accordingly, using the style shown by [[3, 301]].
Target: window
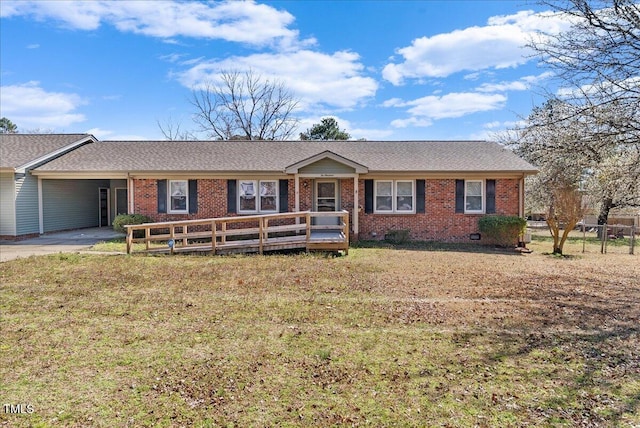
[[404, 196], [178, 200], [384, 196], [473, 196], [394, 196], [247, 196], [257, 196], [268, 196]]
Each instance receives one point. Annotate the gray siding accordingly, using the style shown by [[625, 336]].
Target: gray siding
[[27, 213], [7, 205], [70, 204], [327, 166]]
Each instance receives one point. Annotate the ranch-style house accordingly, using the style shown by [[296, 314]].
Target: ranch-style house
[[437, 190]]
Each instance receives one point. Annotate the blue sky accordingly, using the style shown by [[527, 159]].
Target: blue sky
[[386, 70]]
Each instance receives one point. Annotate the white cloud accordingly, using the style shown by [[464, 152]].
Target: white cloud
[[523, 84], [245, 22], [30, 106], [412, 121], [335, 80], [500, 44], [423, 111]]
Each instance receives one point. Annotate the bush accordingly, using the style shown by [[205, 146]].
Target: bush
[[397, 236], [502, 230], [122, 220]]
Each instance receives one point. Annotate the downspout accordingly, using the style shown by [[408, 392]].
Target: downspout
[[521, 197]]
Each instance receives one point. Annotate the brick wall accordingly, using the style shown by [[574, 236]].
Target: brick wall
[[439, 222], [212, 200]]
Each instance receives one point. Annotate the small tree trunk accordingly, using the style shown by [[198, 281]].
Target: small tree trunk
[[603, 215], [554, 229]]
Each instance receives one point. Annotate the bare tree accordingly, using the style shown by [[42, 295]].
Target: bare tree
[[172, 130], [245, 106], [597, 62], [598, 59]]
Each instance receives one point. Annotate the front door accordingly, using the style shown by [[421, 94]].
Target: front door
[[326, 199], [103, 207]]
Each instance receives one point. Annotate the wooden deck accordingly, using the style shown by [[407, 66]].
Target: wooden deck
[[245, 234]]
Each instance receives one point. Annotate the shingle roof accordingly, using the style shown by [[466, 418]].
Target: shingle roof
[[20, 149], [275, 156]]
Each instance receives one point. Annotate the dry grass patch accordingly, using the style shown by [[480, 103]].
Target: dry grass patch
[[383, 337]]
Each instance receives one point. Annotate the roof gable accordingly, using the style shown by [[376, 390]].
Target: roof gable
[[326, 155], [21, 152]]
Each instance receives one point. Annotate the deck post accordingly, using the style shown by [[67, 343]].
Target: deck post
[[260, 232], [129, 239], [308, 224], [224, 233], [172, 234], [213, 237], [185, 231]]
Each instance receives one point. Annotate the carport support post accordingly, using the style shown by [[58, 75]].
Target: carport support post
[[40, 207]]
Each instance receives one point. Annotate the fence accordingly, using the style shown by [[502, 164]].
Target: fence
[[614, 238]]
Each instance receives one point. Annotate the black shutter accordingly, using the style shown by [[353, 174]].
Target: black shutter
[[193, 196], [420, 188], [459, 196], [162, 196], [491, 197], [284, 195], [231, 196], [368, 196]]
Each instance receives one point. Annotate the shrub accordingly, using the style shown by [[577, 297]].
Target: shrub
[[502, 230], [122, 220], [397, 236]]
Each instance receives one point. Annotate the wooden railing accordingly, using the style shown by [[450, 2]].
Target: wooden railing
[[256, 233]]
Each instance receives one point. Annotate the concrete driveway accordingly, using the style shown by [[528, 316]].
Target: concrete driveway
[[53, 243]]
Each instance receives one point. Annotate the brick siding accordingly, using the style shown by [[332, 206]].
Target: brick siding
[[438, 223]]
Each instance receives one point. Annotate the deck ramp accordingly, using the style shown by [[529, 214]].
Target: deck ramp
[[242, 234]]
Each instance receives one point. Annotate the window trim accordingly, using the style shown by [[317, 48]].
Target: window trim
[[257, 185], [375, 197], [483, 197], [170, 210], [394, 197], [413, 197]]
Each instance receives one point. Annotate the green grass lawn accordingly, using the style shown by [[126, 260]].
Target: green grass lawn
[[415, 336]]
